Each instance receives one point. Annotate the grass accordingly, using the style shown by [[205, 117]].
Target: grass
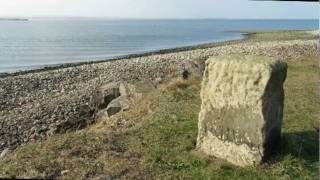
[[156, 139], [281, 35]]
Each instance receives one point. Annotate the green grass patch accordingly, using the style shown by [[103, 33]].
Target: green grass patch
[[281, 35]]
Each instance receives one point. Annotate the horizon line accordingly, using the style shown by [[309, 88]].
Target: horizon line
[[154, 18]]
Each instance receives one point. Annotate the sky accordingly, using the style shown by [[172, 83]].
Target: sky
[[164, 9]]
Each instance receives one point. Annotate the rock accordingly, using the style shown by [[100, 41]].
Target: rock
[[113, 109], [128, 93], [242, 108], [104, 95], [64, 172], [4, 153], [120, 104], [121, 95]]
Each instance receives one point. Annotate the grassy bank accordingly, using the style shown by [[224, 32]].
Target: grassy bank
[[282, 35], [157, 137], [157, 141]]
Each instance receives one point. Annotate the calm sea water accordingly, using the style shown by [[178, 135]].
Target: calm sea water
[[39, 42]]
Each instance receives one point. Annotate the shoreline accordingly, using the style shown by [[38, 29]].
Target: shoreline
[[14, 19], [246, 36], [33, 102]]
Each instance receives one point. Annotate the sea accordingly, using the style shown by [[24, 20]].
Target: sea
[[41, 42]]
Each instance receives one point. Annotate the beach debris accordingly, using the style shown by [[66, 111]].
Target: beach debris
[[242, 108]]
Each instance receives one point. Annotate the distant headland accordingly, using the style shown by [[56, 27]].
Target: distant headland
[[14, 19]]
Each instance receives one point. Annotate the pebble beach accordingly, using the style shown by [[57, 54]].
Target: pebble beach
[[33, 102]]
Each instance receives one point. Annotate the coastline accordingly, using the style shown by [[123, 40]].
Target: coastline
[[33, 101], [246, 36], [14, 19]]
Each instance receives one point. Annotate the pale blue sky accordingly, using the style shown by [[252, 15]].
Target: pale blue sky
[[160, 8]]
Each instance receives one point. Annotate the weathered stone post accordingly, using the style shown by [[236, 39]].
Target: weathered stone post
[[242, 108]]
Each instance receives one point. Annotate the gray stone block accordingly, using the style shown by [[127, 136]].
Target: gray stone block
[[242, 108]]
